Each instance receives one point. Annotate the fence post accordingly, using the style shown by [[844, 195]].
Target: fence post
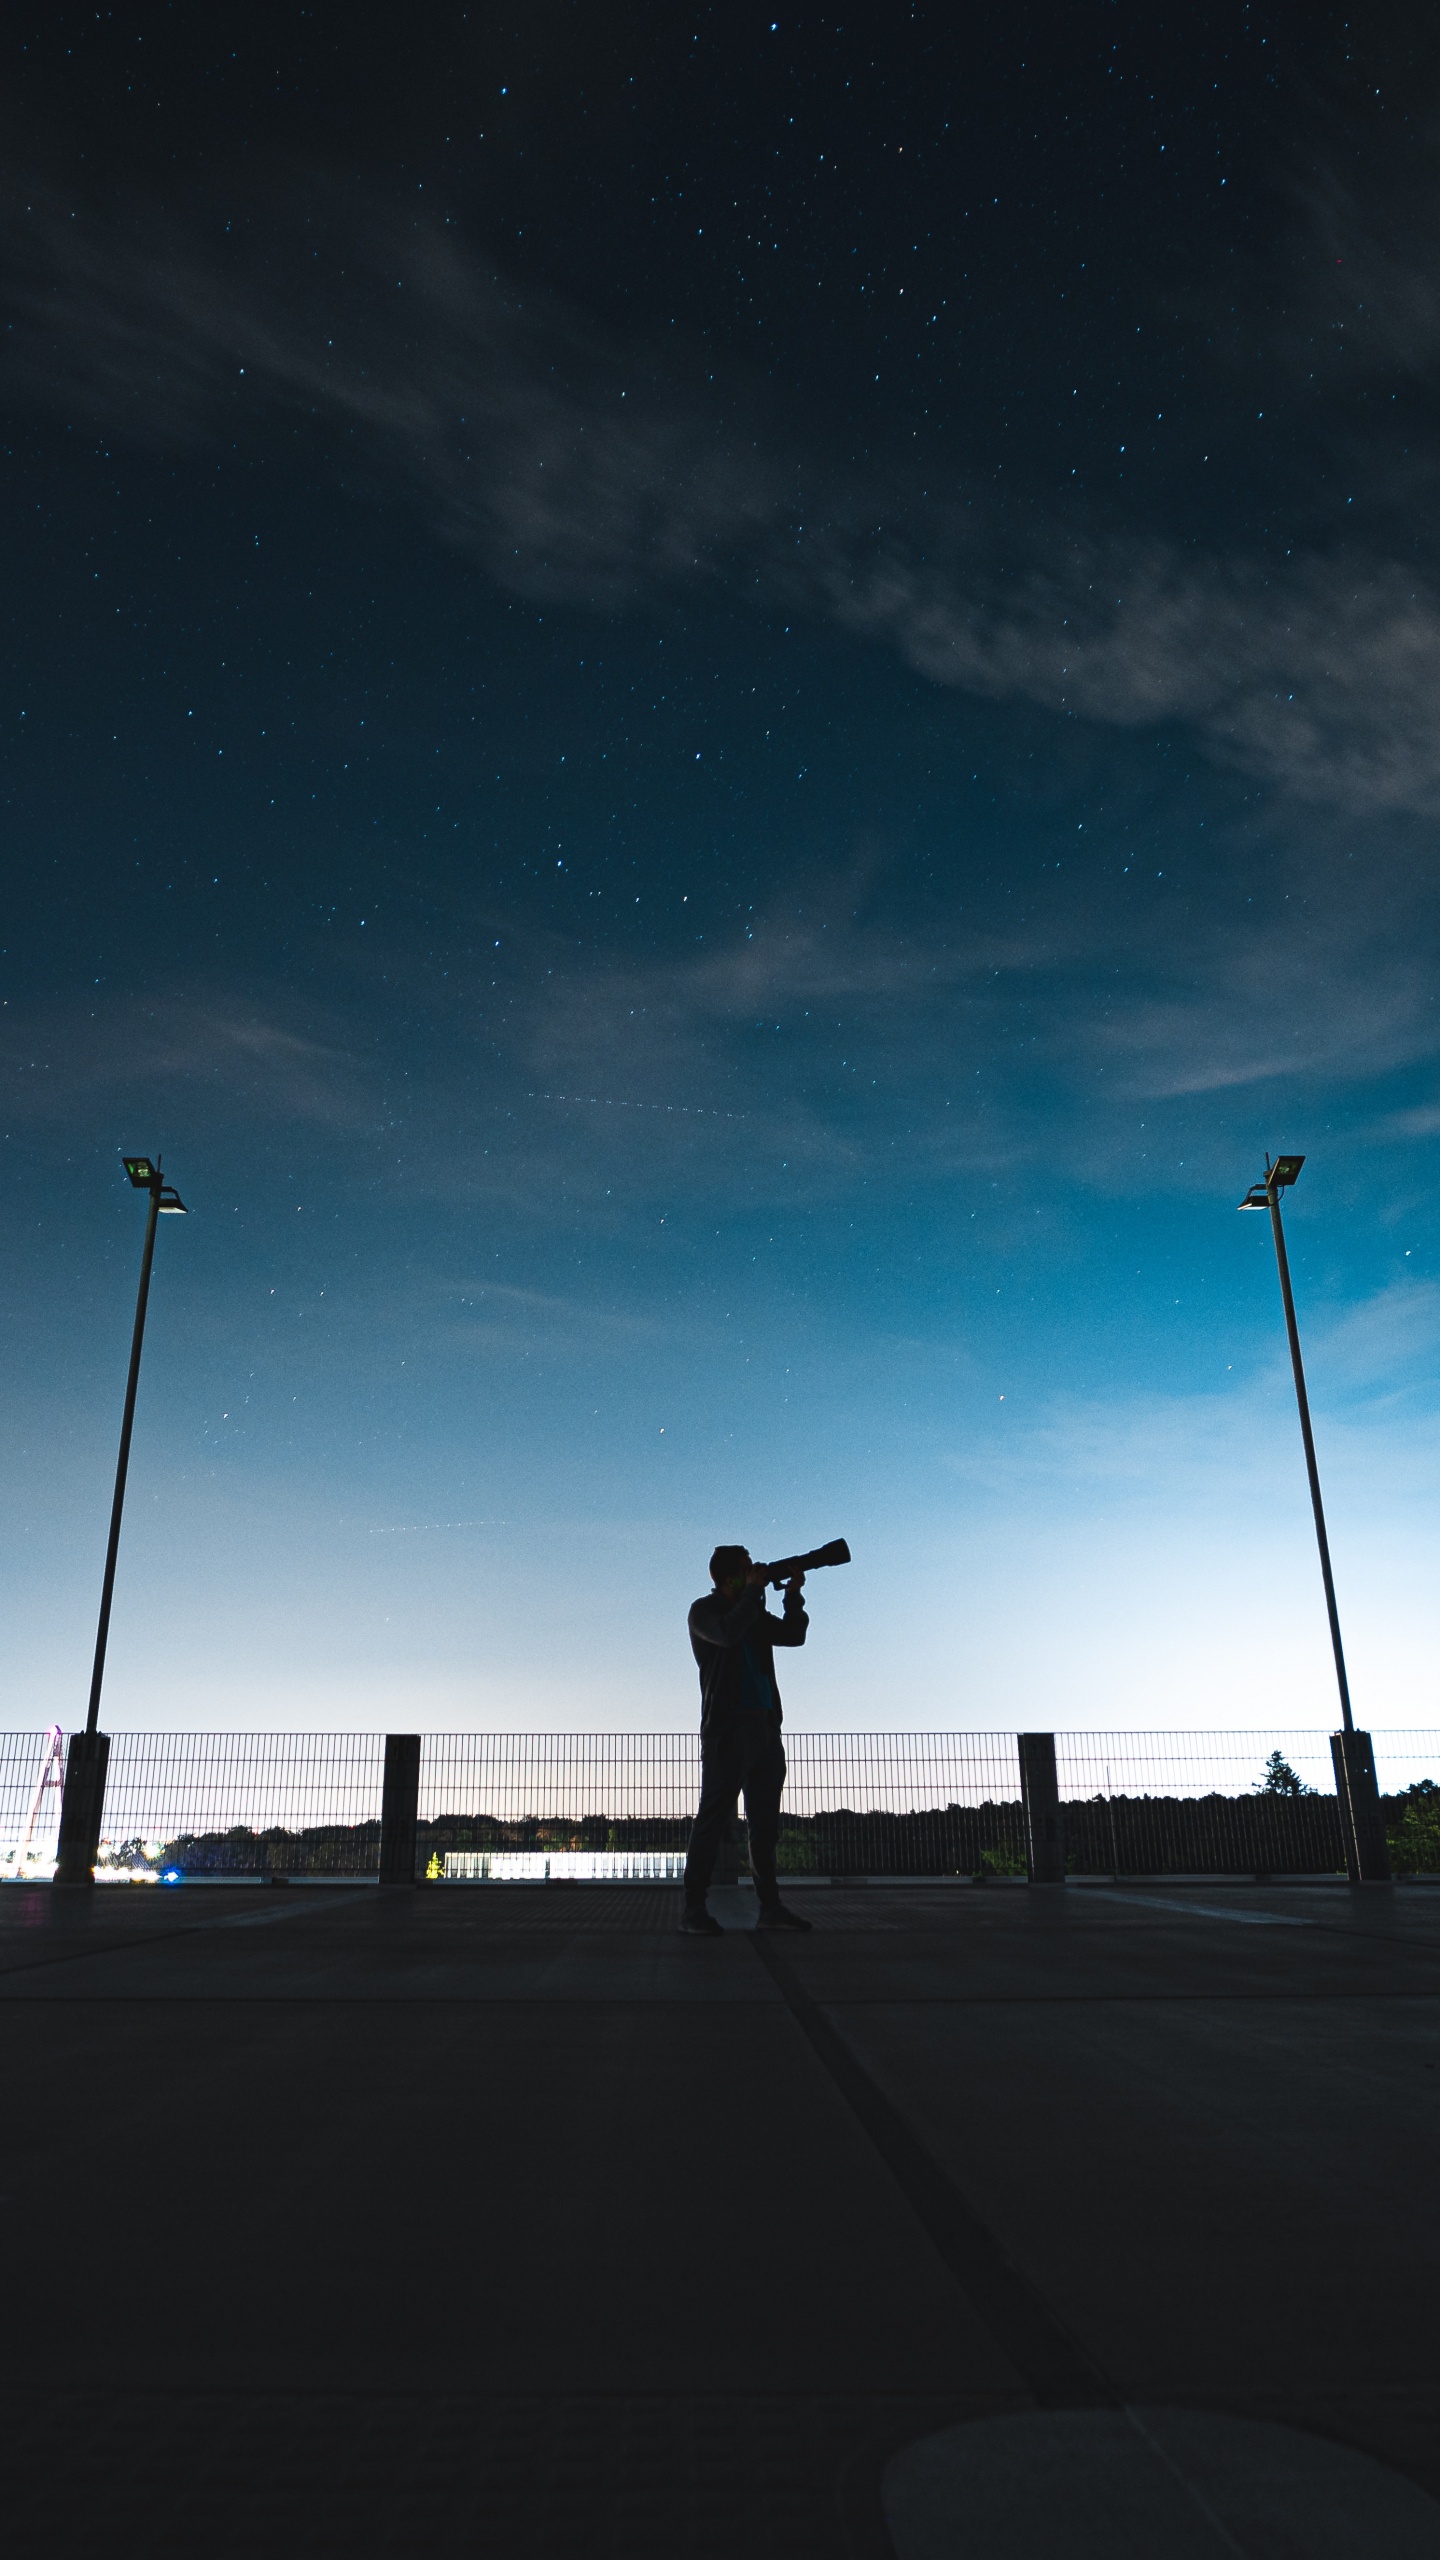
[[399, 1808], [1040, 1796], [1362, 1824], [82, 1807]]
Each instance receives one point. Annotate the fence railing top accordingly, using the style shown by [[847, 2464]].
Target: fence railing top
[[557, 1736]]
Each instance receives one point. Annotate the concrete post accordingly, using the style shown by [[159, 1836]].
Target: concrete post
[[1362, 1824], [1040, 1796], [399, 1808], [82, 1807]]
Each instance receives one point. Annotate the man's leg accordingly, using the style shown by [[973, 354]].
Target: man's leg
[[764, 1780], [719, 1787], [764, 1784]]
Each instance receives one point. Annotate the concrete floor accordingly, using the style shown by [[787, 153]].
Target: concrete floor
[[502, 2219]]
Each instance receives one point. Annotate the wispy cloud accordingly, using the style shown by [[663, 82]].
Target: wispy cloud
[[191, 1050], [1386, 1347], [1366, 248], [1240, 1447], [829, 1037], [1421, 1122], [559, 457], [1244, 1010], [576, 465], [492, 1315], [1322, 675]]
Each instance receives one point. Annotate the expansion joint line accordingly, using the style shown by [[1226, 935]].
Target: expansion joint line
[[1057, 2371]]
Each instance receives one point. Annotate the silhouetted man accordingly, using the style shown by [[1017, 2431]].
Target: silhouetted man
[[733, 1637]]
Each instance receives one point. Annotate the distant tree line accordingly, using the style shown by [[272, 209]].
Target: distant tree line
[[1280, 1828]]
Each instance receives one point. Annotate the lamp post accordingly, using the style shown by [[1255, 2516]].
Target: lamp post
[[83, 1800], [1366, 1853], [1266, 1195]]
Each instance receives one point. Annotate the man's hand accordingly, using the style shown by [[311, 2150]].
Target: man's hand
[[796, 1584], [755, 1575]]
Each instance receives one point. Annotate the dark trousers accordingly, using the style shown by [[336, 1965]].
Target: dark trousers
[[745, 1757]]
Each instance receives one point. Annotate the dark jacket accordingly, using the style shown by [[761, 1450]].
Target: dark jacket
[[718, 1629]]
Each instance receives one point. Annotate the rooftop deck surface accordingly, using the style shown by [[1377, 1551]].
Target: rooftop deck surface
[[502, 2219]]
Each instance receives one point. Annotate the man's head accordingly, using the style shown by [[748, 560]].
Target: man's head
[[729, 1567]]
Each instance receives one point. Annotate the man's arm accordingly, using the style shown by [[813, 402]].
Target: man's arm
[[792, 1628], [713, 1621]]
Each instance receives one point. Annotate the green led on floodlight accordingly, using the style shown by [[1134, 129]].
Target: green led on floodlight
[[1285, 1169], [140, 1170]]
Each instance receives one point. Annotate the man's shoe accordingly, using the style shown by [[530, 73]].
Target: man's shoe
[[775, 1915], [697, 1922]]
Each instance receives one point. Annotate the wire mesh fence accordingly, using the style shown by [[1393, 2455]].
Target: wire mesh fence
[[523, 1807], [1235, 1802], [1405, 1760], [618, 1806], [902, 1804], [1230, 1803], [855, 1803], [205, 1804]]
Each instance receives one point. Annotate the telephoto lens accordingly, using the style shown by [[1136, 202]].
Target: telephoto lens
[[780, 1571]]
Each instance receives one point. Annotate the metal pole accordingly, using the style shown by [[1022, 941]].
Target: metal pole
[[122, 1468], [1272, 1194]]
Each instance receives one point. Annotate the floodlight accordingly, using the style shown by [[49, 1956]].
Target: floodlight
[[140, 1170], [1284, 1170], [171, 1204]]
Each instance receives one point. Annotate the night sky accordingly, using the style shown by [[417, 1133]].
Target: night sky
[[713, 718]]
